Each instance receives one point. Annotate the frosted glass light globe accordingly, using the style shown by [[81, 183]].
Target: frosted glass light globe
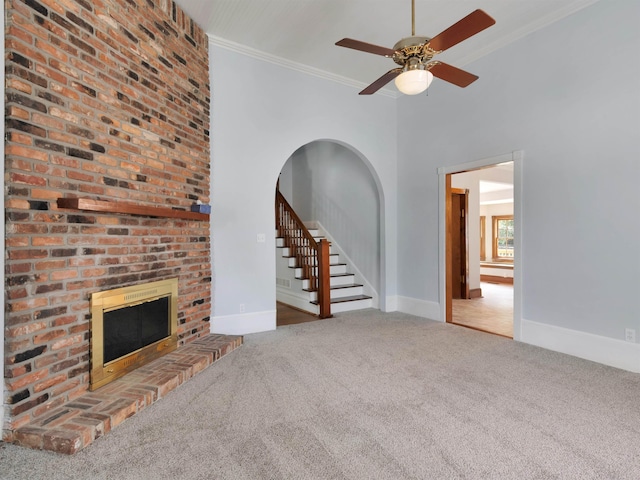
[[413, 82]]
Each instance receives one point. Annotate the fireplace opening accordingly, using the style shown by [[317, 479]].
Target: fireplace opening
[[130, 326]]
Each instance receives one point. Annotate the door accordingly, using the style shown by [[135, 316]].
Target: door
[[459, 244]]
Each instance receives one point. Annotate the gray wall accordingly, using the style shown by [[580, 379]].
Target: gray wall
[[261, 114], [569, 97], [333, 186]]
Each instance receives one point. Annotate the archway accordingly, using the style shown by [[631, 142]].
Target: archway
[[333, 187]]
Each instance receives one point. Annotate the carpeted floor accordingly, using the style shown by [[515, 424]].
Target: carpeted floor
[[368, 395]]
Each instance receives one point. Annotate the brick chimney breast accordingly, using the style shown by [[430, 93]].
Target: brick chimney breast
[[106, 100]]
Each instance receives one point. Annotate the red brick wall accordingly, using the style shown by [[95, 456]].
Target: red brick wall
[[109, 100]]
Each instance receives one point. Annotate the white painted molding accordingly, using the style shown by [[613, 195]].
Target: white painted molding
[[608, 351], [301, 301], [484, 162], [420, 308], [298, 67], [524, 30], [391, 304], [244, 323]]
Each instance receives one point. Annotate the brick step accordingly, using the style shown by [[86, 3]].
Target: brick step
[[71, 427]]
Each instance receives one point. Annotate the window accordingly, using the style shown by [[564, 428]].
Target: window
[[503, 237]]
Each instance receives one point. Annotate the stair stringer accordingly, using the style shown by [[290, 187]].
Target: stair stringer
[[288, 288], [344, 258]]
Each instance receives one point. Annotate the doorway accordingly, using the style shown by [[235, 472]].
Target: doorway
[[474, 309]]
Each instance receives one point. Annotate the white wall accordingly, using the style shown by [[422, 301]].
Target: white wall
[[568, 96], [286, 181], [331, 185], [261, 114]]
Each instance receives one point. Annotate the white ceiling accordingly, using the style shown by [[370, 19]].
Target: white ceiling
[[302, 33]]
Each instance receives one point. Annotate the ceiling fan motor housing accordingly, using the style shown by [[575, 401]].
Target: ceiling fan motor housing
[[413, 53]]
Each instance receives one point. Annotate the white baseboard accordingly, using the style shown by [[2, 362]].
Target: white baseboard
[[420, 308], [605, 350], [391, 304], [302, 302], [244, 323]]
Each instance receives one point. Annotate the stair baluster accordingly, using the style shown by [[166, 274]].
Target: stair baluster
[[311, 256]]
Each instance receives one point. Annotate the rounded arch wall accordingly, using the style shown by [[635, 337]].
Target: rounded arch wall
[[331, 184]]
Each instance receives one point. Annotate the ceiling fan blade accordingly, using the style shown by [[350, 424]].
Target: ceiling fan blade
[[365, 47], [473, 23], [452, 74], [381, 82]]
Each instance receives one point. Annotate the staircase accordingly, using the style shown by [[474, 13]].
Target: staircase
[[295, 290]]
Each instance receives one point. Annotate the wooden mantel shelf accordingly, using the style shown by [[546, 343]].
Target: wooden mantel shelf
[[91, 205]]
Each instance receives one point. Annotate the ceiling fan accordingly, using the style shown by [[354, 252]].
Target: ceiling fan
[[414, 55]]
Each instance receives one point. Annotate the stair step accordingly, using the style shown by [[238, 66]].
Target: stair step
[[334, 280], [337, 264], [333, 269], [333, 260], [353, 298], [349, 285], [335, 287], [286, 251]]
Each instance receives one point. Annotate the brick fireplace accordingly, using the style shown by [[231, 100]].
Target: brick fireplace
[[106, 100]]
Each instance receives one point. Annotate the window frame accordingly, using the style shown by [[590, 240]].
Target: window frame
[[483, 249], [494, 238]]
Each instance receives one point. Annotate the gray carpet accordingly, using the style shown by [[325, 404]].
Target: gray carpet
[[370, 395]]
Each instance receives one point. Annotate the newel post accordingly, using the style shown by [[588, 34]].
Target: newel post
[[324, 279]]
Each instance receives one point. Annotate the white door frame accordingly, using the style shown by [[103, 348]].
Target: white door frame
[[517, 158]]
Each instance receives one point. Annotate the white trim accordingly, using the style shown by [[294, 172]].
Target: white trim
[[420, 308], [390, 304], [517, 158], [244, 323], [524, 30], [301, 301], [605, 350], [298, 67]]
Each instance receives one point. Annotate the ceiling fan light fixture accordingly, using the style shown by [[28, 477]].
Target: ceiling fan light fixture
[[413, 82]]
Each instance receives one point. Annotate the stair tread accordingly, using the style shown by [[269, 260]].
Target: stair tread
[[335, 287], [331, 265], [349, 285], [331, 255], [333, 275], [353, 298]]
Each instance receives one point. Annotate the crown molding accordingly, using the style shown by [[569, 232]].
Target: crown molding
[[525, 30], [298, 67]]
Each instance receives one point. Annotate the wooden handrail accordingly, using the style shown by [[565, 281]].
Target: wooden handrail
[[311, 256]]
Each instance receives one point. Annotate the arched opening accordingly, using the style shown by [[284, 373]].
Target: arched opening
[[335, 191]]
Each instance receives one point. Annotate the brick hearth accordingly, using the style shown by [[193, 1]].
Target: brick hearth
[[76, 424]]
